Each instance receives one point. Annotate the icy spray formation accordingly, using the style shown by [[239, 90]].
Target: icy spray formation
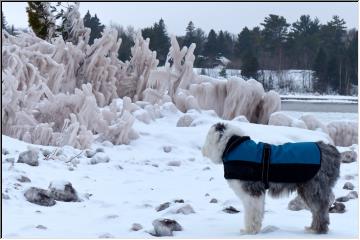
[[60, 92]]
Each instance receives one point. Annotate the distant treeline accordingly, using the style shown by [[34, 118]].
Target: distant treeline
[[329, 49]]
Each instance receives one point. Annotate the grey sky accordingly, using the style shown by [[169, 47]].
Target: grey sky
[[225, 16]]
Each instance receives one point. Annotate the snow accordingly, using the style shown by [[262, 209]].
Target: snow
[[137, 179]]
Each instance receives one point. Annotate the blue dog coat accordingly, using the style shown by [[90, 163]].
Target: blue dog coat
[[291, 162]]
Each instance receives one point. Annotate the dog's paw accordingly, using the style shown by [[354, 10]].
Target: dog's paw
[[309, 230], [323, 230], [269, 229], [248, 232]]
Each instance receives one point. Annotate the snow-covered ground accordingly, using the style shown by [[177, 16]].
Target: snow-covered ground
[[138, 178]]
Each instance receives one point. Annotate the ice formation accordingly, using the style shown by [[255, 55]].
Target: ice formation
[[343, 133], [65, 92]]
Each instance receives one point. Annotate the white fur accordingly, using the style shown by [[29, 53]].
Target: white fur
[[214, 145], [253, 206]]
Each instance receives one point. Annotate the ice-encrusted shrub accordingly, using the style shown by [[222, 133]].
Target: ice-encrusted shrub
[[60, 92], [343, 133]]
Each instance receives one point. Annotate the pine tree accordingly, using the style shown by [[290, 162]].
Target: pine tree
[[222, 73], [320, 71], [3, 21], [40, 19], [190, 34], [244, 43], [210, 48], [250, 66], [190, 30], [221, 45], [275, 34], [303, 41], [159, 40], [95, 26]]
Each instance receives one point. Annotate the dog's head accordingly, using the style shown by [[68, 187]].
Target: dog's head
[[216, 140]]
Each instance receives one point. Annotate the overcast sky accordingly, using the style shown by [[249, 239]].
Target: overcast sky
[[218, 16]]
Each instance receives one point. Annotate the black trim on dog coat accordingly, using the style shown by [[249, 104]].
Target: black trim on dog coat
[[288, 163]]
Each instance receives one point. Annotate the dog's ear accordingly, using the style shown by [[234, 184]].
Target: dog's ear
[[220, 127]]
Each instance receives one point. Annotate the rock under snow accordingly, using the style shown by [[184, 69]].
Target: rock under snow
[[136, 227], [240, 118], [213, 200], [167, 149], [29, 157], [337, 207], [39, 196], [348, 186], [231, 210], [352, 195], [343, 199], [4, 151], [186, 209], [162, 206], [5, 196], [42, 227], [185, 121], [24, 179], [99, 157], [89, 153], [174, 163], [348, 156], [63, 191], [165, 227], [106, 235]]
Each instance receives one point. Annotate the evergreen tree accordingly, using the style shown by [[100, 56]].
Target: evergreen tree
[[333, 36], [303, 41], [221, 44], [95, 25], [250, 66], [320, 71], [199, 40], [274, 37], [222, 73], [190, 34], [210, 48], [193, 35], [352, 56], [3, 21], [40, 19], [244, 43], [159, 40], [127, 41]]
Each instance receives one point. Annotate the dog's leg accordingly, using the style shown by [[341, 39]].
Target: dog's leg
[[319, 207], [253, 207]]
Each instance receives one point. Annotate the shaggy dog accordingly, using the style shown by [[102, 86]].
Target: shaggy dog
[[315, 192]]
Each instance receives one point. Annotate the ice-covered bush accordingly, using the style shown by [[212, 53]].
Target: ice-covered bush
[[343, 133], [61, 92]]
